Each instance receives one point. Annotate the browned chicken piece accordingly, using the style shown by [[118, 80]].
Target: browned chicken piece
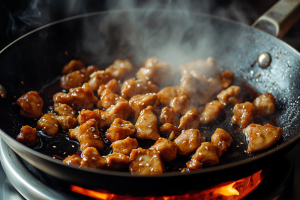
[[261, 137], [131, 87], [155, 70], [188, 141], [167, 94], [230, 95], [62, 98], [168, 116], [146, 125], [265, 104], [66, 122], [117, 161], [124, 146], [108, 99], [48, 124], [92, 159], [27, 136], [194, 165], [73, 65], [189, 121], [120, 110], [88, 71], [71, 80], [207, 154], [87, 135], [211, 112], [82, 97], [64, 110], [119, 68], [86, 115], [226, 78], [73, 160], [145, 162], [207, 67], [119, 130], [243, 114], [140, 102], [169, 130], [113, 85], [31, 104], [167, 149], [98, 78], [222, 140], [181, 105]]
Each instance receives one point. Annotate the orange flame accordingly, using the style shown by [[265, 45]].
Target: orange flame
[[92, 193], [227, 190]]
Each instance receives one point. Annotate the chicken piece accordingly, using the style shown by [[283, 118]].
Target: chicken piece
[[71, 80], [261, 137], [243, 114], [27, 136], [62, 98], [48, 124], [98, 78], [73, 160], [189, 121], [145, 162], [167, 149], [82, 97], [167, 94], [113, 85], [124, 146], [169, 129], [211, 112], [131, 87], [92, 159], [168, 116], [66, 122], [120, 110], [87, 135], [221, 139], [64, 110], [207, 154], [230, 95], [119, 68], [73, 65], [265, 104], [119, 130], [108, 99], [181, 105], [86, 115], [31, 104], [155, 70], [88, 71], [194, 165], [188, 141], [140, 102], [117, 161], [146, 125], [226, 78], [207, 67]]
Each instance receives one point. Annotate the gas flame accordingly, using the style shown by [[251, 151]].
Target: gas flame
[[227, 190], [92, 193]]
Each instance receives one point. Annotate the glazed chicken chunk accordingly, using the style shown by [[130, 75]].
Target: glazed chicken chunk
[[87, 135], [168, 116], [88, 71], [146, 125], [98, 78], [108, 99], [169, 130], [66, 122], [261, 137], [48, 124], [71, 80], [188, 141], [145, 162], [92, 159], [73, 160], [221, 140], [73, 65], [211, 112], [189, 121], [243, 114], [265, 104], [131, 87], [31, 104], [181, 105], [167, 149], [226, 78], [86, 115], [119, 130], [27, 136], [113, 85], [207, 154], [117, 161], [230, 95], [167, 94], [119, 68], [64, 110], [124, 146]]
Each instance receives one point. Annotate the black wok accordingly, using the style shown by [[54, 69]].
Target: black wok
[[36, 59]]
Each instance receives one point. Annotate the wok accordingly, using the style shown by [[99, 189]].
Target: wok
[[37, 58]]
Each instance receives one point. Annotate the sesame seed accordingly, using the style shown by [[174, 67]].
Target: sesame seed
[[54, 147]]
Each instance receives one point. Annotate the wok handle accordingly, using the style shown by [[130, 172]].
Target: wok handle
[[279, 18]]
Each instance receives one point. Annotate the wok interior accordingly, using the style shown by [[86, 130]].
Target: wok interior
[[173, 36]]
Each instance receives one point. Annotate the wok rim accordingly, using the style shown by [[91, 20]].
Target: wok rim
[[14, 142]]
